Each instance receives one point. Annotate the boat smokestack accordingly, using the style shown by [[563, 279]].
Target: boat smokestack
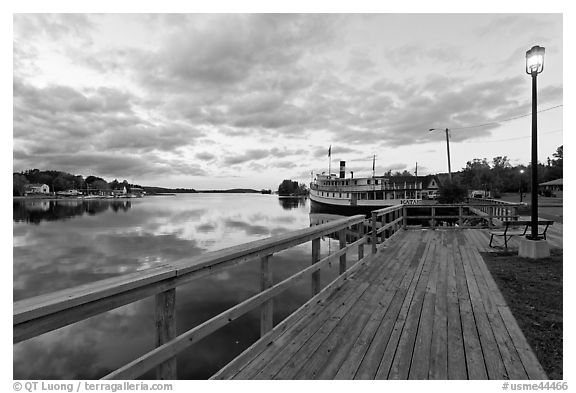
[[342, 169]]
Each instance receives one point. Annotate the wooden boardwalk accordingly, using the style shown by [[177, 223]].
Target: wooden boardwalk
[[426, 307]]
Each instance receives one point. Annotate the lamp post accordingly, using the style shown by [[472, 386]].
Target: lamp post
[[520, 184], [534, 66], [447, 148]]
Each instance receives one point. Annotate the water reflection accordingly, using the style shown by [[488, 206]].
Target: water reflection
[[289, 203], [62, 252], [36, 211]]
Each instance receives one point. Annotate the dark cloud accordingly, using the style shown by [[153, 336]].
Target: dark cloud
[[110, 164], [250, 155], [335, 149], [205, 156], [259, 154]]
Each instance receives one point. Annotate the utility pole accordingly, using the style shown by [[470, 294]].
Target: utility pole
[[447, 148]]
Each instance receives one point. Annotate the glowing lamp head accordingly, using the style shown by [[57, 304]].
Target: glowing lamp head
[[521, 171], [535, 60]]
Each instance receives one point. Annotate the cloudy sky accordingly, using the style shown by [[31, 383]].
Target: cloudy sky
[[247, 100]]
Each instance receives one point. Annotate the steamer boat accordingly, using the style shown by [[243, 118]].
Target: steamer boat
[[370, 193]]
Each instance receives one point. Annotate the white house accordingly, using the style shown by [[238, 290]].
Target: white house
[[35, 188]]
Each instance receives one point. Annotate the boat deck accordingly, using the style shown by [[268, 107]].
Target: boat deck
[[426, 307]]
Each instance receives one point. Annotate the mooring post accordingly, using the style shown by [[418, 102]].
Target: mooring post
[[267, 308], [342, 238], [404, 217], [374, 235], [315, 258], [165, 319]]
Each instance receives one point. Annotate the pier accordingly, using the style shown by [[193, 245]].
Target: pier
[[409, 303]]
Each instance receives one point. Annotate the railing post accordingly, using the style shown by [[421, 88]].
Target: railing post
[[267, 308], [315, 258], [404, 217], [490, 215], [165, 319], [374, 237], [342, 238], [460, 214], [433, 217], [360, 236]]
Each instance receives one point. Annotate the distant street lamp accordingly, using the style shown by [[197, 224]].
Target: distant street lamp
[[447, 148], [520, 184], [534, 66]]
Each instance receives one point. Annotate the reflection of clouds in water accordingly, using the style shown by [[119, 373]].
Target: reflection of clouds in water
[[206, 227], [88, 349], [53, 266], [222, 276], [250, 229]]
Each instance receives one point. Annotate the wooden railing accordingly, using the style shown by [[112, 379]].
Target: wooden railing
[[495, 209], [491, 211], [35, 316], [385, 222]]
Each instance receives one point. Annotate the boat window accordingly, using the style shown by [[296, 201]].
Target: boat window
[[368, 181]]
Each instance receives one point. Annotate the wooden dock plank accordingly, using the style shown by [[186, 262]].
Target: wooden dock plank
[[455, 345], [493, 360], [439, 347], [420, 362], [475, 366]]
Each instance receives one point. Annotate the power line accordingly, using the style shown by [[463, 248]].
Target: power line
[[505, 120], [512, 139]]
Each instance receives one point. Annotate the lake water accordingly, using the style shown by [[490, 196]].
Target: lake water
[[64, 243]]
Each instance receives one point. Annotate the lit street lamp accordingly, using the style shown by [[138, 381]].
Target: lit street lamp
[[447, 148], [520, 184], [534, 66]]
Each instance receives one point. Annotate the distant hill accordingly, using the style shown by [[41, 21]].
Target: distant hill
[[161, 190], [233, 190]]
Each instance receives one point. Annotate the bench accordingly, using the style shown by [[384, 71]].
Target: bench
[[510, 230]]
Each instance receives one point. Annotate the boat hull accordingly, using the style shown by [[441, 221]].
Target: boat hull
[[322, 205]]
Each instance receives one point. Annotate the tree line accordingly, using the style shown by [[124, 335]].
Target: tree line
[[62, 181], [500, 175]]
